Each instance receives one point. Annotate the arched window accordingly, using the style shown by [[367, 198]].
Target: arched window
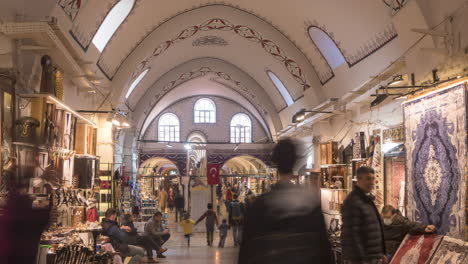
[[112, 22], [169, 128], [205, 111], [281, 88], [135, 83], [327, 47], [241, 129]]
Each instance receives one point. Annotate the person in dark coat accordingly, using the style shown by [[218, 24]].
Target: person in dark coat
[[211, 220], [397, 226], [141, 240], [362, 236], [179, 205], [236, 213], [21, 226], [285, 225], [119, 237]]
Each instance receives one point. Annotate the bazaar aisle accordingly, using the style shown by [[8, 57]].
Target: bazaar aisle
[[198, 252]]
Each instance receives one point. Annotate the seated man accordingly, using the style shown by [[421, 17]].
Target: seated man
[[156, 231], [397, 226], [119, 237], [141, 240]]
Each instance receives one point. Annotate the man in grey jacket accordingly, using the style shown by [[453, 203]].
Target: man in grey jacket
[[156, 231]]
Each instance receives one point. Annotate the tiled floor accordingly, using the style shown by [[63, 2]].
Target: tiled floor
[[198, 252]]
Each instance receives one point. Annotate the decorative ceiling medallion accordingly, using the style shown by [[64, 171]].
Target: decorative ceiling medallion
[[395, 5], [238, 86], [71, 7], [243, 31], [209, 41]]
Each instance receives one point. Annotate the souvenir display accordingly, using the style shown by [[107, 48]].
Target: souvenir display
[[329, 153], [26, 129], [48, 77], [359, 146], [334, 176]]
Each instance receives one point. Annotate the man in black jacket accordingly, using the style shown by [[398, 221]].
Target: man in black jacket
[[179, 205], [119, 237], [397, 226], [362, 237], [285, 225]]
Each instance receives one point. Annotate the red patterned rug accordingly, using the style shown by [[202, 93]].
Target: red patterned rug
[[416, 249]]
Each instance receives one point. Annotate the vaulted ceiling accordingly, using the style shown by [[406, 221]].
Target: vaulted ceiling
[[231, 43]]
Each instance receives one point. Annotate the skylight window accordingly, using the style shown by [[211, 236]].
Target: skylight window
[[327, 47], [281, 88], [136, 82], [112, 22]]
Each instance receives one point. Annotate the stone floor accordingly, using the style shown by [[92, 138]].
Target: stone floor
[[198, 252]]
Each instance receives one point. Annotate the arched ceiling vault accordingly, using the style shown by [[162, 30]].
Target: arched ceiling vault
[[204, 76], [232, 35], [154, 32], [205, 87], [146, 168], [252, 36]]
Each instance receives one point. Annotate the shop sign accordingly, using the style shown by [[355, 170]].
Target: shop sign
[[391, 135]]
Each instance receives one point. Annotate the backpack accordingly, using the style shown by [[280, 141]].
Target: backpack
[[236, 211]]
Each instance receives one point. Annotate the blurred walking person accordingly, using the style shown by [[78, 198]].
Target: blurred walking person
[[285, 225]]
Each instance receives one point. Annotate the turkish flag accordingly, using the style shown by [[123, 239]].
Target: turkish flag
[[213, 174]]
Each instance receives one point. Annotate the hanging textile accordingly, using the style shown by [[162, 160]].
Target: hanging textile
[[92, 215], [451, 251], [416, 249], [435, 140], [376, 164]]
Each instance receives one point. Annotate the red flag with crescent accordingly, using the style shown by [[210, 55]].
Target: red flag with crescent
[[213, 174]]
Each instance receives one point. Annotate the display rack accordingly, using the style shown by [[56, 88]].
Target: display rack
[[334, 176], [105, 188], [148, 209]]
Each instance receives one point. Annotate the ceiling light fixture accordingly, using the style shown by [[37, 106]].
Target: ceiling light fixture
[[118, 119], [301, 114], [115, 122], [379, 99], [396, 80]]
